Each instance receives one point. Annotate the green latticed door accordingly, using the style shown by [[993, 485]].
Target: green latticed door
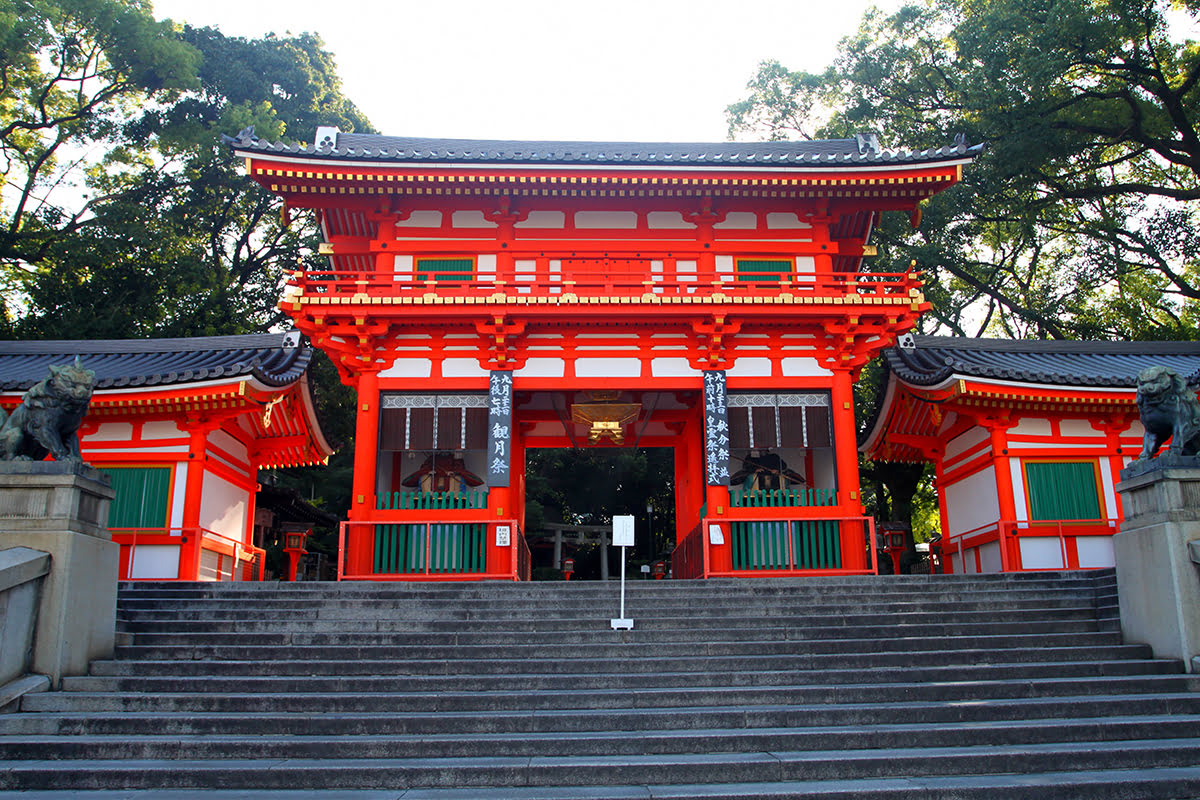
[[1062, 490], [141, 496]]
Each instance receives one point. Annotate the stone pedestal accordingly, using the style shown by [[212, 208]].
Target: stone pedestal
[[62, 509], [1157, 581]]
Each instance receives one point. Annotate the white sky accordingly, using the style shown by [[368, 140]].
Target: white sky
[[618, 70]]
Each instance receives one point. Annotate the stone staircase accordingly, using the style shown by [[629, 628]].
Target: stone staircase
[[1003, 686]]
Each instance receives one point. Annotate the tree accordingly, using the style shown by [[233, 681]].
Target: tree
[[70, 70], [1076, 221], [180, 243]]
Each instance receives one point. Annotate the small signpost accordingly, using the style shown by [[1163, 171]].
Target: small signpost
[[622, 538]]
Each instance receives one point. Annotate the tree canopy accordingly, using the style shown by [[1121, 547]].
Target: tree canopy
[[125, 216], [1077, 221]]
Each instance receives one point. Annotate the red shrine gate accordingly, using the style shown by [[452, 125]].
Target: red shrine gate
[[485, 298]]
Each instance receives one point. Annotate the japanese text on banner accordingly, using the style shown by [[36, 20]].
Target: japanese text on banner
[[716, 429], [499, 427]]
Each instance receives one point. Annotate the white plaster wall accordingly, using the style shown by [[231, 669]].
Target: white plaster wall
[[806, 268], [1031, 426], [229, 445], [989, 558], [1020, 507], [178, 493], [672, 368], [542, 368], [1041, 552], [750, 368], [485, 264], [971, 502], [668, 220], [223, 507], [785, 220], [422, 219], [1095, 551], [470, 219], [961, 444], [543, 219], [723, 263], [738, 220], [608, 367], [606, 219], [408, 368], [1106, 486], [161, 430], [157, 561], [1080, 427], [797, 367], [463, 368], [112, 432]]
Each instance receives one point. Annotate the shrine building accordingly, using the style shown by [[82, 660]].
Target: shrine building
[[182, 426], [488, 297], [1028, 438]]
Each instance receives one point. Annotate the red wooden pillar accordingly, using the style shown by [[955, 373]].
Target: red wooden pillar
[[1010, 548], [360, 541], [193, 496], [845, 451]]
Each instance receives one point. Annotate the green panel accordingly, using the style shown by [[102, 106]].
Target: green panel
[[1062, 490], [763, 270], [448, 548], [445, 269], [142, 495]]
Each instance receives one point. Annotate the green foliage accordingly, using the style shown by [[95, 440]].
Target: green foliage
[[588, 486], [1076, 221], [171, 240]]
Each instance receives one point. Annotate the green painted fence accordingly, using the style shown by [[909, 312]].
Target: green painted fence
[[782, 498], [780, 544], [435, 501], [435, 547]]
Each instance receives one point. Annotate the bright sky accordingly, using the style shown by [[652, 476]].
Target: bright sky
[[618, 70]]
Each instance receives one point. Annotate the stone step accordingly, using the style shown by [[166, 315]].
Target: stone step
[[715, 740], [863, 653], [533, 621], [360, 630], [175, 676], [713, 768], [507, 700], [501, 611], [601, 644], [303, 662], [887, 710], [1167, 783]]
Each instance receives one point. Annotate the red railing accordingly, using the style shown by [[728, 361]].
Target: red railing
[[601, 278], [457, 549], [790, 545], [966, 549], [189, 553], [689, 559]]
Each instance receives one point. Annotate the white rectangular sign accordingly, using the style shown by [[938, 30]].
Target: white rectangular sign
[[503, 535], [623, 531]]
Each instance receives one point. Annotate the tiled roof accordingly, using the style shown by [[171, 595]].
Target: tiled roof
[[860, 150], [935, 359], [275, 359]]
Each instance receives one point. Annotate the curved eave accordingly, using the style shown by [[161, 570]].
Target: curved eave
[[647, 155]]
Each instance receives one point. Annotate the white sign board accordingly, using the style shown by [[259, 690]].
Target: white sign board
[[503, 535], [715, 536], [623, 531]]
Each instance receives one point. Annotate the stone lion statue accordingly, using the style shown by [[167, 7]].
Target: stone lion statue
[[48, 419], [1169, 411]]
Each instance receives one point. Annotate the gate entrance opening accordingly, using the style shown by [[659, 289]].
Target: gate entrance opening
[[571, 496]]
